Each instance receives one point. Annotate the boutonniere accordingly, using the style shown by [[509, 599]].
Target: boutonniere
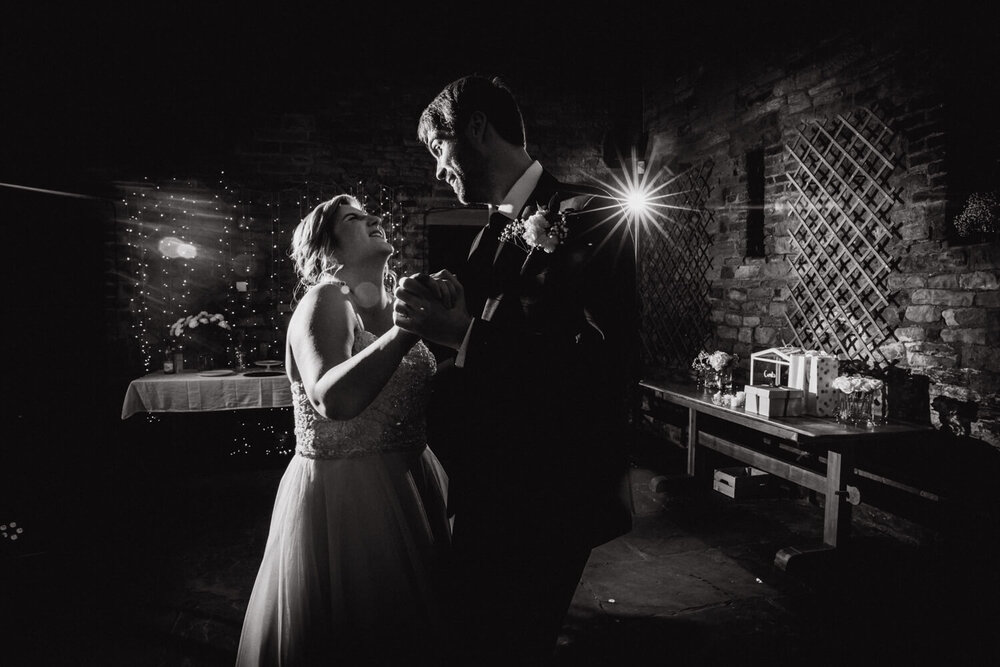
[[546, 228]]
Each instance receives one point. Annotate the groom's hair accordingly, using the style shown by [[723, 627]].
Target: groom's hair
[[453, 107]]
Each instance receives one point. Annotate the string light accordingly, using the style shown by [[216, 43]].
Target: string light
[[189, 243]]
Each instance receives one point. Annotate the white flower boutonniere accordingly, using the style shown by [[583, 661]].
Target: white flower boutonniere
[[544, 229]]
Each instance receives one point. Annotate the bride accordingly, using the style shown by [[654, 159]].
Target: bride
[[359, 527]]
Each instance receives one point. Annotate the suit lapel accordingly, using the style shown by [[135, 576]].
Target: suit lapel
[[547, 187], [497, 266]]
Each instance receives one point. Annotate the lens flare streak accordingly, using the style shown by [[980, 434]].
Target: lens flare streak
[[639, 201]]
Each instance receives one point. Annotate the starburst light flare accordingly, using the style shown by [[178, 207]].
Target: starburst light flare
[[640, 200]]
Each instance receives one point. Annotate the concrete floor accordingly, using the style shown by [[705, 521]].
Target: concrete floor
[[157, 570]]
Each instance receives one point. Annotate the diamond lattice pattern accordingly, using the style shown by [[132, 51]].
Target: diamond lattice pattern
[[840, 203], [673, 257]]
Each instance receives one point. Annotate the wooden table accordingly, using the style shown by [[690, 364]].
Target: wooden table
[[839, 442]]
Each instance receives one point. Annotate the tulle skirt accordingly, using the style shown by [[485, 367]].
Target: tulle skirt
[[350, 569]]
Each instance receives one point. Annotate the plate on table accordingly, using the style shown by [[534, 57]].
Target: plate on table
[[221, 372], [262, 374]]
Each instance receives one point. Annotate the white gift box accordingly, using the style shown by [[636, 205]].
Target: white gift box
[[773, 401], [813, 372]]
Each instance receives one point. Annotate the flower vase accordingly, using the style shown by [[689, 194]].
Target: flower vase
[[719, 380], [726, 380], [855, 408], [178, 353], [239, 360], [710, 380]]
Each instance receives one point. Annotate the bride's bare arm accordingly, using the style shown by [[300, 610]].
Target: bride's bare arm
[[321, 335]]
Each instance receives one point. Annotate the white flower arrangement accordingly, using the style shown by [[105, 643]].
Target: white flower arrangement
[[185, 324], [700, 362], [543, 229], [720, 360], [856, 383]]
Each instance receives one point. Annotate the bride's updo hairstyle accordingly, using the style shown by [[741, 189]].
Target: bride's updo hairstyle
[[313, 249]]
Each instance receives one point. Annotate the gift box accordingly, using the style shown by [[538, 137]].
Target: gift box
[[743, 482], [813, 372], [773, 401]]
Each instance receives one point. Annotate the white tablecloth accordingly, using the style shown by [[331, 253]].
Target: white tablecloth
[[189, 392]]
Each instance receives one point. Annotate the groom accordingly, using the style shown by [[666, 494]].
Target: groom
[[529, 409]]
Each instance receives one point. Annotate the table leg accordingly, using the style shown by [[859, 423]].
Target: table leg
[[837, 513], [837, 519], [692, 439]]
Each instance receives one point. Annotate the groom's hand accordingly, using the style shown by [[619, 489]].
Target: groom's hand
[[433, 307]]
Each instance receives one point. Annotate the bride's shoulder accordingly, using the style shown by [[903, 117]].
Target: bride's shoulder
[[324, 295], [323, 301]]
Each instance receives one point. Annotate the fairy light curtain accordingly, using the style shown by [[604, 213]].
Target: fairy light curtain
[[194, 246], [216, 246]]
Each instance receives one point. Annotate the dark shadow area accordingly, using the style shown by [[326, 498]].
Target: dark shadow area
[[160, 566], [873, 601], [972, 137], [755, 207], [103, 573], [448, 245]]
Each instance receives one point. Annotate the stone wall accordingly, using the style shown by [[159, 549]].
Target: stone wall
[[945, 307]]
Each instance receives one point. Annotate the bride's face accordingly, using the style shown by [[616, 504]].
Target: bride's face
[[358, 235]]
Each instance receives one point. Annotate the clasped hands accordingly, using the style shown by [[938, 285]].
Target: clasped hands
[[432, 306]]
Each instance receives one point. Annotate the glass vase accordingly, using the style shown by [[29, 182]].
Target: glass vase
[[855, 408], [726, 380], [719, 380], [178, 352], [710, 380]]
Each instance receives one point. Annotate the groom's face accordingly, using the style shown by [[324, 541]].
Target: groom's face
[[458, 163]]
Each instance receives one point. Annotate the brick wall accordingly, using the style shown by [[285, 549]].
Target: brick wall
[[946, 305], [369, 133], [361, 140]]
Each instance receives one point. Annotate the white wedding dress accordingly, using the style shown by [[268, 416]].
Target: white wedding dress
[[357, 533]]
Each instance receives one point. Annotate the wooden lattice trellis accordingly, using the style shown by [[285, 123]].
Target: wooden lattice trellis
[[840, 203], [673, 259]]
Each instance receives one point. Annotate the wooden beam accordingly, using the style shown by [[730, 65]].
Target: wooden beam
[[789, 471]]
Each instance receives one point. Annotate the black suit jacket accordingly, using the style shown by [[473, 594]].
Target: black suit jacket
[[532, 430]]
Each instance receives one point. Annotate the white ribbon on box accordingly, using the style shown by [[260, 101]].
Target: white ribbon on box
[[813, 372]]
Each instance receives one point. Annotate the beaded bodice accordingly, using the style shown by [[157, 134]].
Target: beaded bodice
[[393, 421]]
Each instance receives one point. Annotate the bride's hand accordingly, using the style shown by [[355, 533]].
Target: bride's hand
[[447, 287], [443, 286], [432, 307]]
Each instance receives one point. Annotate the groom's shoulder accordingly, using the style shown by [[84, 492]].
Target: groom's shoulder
[[583, 197], [584, 190]]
